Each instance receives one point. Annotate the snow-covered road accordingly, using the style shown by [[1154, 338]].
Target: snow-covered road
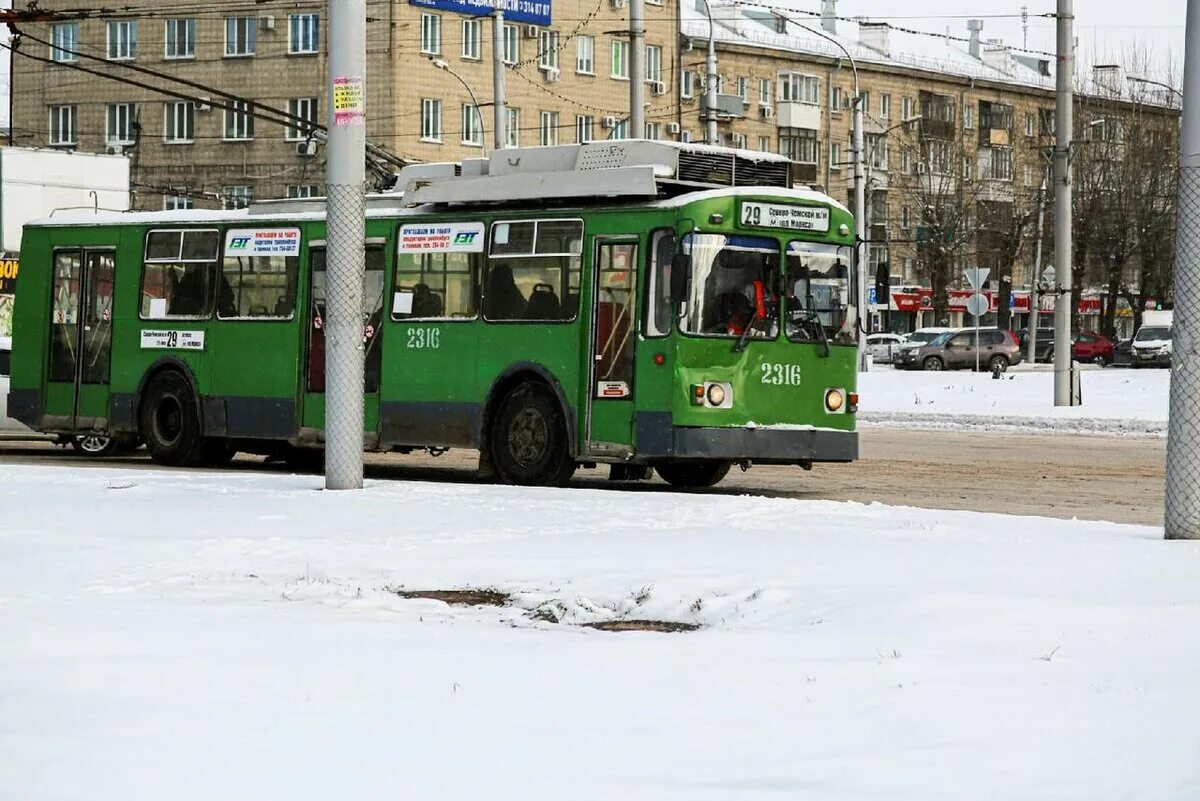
[[234, 636]]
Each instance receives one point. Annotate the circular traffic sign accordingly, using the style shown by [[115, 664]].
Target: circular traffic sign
[[978, 305]]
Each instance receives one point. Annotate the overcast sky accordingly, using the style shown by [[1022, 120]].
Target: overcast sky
[[1105, 29]]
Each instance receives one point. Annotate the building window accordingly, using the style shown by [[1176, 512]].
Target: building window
[[877, 151], [968, 116], [687, 83], [303, 111], [472, 125], [864, 97], [547, 50], [764, 144], [720, 84], [304, 33], [620, 60], [512, 126], [906, 108], [239, 121], [431, 34], [301, 191], [584, 127], [1028, 175], [178, 202], [798, 144], [512, 44], [62, 125], [548, 128], [737, 140], [472, 39], [240, 36], [585, 55], [743, 90], [653, 130], [764, 91], [236, 197], [885, 106], [835, 155], [905, 162], [122, 40], [797, 88], [431, 120], [685, 136], [118, 129], [1001, 163], [1029, 123], [64, 42], [654, 72], [180, 118], [180, 35]]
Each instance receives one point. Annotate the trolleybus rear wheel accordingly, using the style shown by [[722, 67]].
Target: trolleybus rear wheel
[[693, 474], [170, 422], [528, 440]]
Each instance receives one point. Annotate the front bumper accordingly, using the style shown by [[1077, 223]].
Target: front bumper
[[762, 445], [1152, 359]]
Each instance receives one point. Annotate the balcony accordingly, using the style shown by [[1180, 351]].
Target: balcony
[[798, 115]]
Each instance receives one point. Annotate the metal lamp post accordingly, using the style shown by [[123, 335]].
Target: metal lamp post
[[442, 64]]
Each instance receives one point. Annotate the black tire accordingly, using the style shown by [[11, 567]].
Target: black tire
[[997, 361], [528, 441], [693, 474], [169, 422], [933, 363], [95, 445], [1101, 361], [1049, 356]]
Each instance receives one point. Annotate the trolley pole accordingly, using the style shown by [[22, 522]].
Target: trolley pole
[[710, 84], [499, 116], [1064, 370], [860, 231], [637, 69], [346, 219], [1037, 272], [1183, 435]]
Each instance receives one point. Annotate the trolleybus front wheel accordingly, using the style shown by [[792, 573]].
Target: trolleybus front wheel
[[528, 440], [693, 474], [169, 420]]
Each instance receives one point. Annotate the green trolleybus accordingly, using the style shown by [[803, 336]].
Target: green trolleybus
[[641, 304]]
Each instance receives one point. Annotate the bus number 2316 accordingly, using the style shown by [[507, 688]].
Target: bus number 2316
[[780, 375], [424, 338]]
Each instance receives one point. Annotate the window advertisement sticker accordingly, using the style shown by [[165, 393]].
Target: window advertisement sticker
[[262, 242], [441, 238]]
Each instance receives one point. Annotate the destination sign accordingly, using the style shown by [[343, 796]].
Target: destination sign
[[778, 215]]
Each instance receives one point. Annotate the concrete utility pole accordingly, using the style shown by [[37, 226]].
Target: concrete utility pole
[[1065, 377], [710, 84], [1183, 431], [346, 221], [1037, 272], [637, 69], [499, 115], [860, 229]]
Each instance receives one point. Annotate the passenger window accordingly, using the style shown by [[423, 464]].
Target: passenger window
[[658, 284], [259, 275], [437, 271], [534, 271], [961, 341], [992, 338], [177, 274]]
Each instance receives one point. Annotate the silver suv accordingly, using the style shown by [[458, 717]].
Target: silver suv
[[996, 349]]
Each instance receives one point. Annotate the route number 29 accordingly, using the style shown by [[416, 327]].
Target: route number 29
[[424, 338], [751, 215], [780, 375]]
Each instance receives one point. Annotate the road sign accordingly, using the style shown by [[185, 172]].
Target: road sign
[[976, 276], [978, 304], [871, 296]]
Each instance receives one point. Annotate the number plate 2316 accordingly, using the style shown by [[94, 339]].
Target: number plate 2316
[[780, 375]]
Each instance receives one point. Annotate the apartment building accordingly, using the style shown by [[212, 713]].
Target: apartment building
[[429, 84]]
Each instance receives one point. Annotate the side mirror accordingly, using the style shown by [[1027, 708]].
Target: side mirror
[[680, 267]]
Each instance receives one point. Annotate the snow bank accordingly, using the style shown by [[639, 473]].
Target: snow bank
[[1115, 401], [222, 635]]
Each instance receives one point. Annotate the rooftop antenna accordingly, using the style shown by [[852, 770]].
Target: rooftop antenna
[[1024, 27]]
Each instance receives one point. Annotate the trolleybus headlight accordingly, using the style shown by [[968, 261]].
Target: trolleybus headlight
[[835, 401], [716, 394]]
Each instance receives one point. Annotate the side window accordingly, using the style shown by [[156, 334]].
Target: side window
[[437, 271], [993, 338], [177, 273], [960, 341], [533, 270], [64, 314], [658, 284], [613, 355], [259, 274]]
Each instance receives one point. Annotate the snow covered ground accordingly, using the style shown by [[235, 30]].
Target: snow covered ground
[[235, 636], [1115, 401]]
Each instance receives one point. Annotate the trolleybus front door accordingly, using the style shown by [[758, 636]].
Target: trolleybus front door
[[610, 396], [313, 416], [77, 391]]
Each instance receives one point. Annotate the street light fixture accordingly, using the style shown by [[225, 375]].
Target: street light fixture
[[442, 64], [1152, 82]]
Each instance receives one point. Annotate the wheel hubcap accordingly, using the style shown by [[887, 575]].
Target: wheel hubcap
[[93, 443], [527, 436], [168, 421]]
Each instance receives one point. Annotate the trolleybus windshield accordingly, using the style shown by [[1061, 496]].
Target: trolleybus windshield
[[818, 291], [732, 281]]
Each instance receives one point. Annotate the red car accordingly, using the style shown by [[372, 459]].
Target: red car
[[1092, 347]]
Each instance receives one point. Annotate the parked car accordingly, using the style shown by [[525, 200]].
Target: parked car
[[1123, 353], [922, 336], [1152, 342], [957, 349], [89, 444], [1090, 346], [1042, 347], [883, 347]]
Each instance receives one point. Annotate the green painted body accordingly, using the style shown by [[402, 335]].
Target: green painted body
[[266, 359]]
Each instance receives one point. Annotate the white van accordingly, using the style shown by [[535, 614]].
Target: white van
[[1152, 343]]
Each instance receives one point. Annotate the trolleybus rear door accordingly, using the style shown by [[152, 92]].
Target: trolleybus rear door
[[610, 396], [77, 391], [313, 415]]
